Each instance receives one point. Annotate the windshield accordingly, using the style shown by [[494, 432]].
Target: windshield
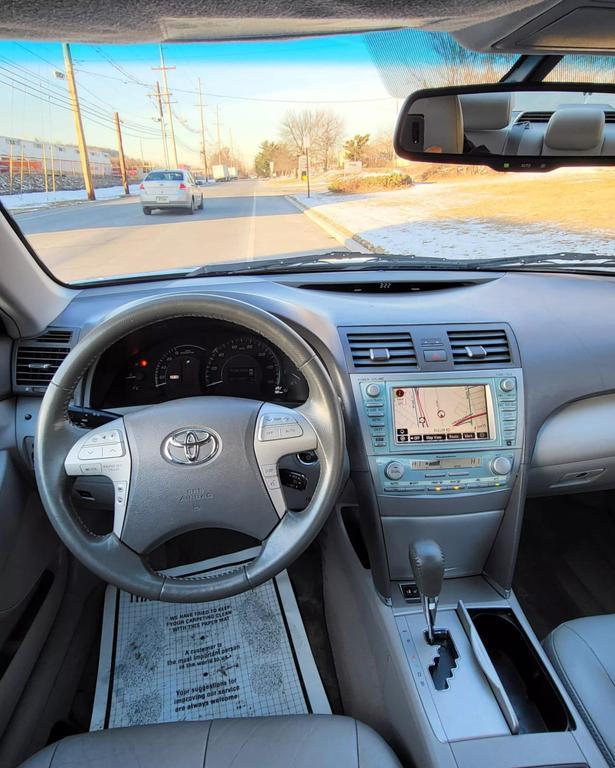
[[121, 161]]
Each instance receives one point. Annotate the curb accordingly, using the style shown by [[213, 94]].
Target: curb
[[351, 240]]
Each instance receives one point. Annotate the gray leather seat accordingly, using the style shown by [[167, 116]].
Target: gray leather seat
[[300, 741], [582, 653]]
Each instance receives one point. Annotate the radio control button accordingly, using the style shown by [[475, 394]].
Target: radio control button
[[394, 470], [501, 465], [373, 390], [507, 385]]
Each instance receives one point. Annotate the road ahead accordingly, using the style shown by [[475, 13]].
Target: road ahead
[[241, 220]]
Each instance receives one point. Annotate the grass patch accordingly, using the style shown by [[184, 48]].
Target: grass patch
[[377, 183]]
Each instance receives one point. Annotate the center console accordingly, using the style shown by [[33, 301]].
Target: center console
[[438, 463], [440, 411]]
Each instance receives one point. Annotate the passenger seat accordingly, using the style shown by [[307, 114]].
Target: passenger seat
[[583, 654]]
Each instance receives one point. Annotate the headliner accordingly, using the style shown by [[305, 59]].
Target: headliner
[[167, 20]]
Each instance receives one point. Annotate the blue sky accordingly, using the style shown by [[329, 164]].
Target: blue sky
[[251, 84]]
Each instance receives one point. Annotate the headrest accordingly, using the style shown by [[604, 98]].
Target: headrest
[[575, 129], [443, 123], [485, 111]]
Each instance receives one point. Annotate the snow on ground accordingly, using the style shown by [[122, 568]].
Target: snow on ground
[[31, 200], [414, 221]]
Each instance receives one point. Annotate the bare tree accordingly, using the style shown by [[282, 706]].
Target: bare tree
[[296, 128], [322, 127], [330, 128]]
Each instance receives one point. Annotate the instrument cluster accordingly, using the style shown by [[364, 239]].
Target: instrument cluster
[[186, 357]]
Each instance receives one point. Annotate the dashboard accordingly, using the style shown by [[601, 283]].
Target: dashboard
[[186, 357]]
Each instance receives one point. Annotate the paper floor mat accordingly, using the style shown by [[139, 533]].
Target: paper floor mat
[[244, 656]]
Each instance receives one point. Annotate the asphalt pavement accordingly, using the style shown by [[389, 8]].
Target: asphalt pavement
[[241, 220]]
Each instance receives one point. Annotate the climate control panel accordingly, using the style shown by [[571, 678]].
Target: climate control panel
[[429, 474]]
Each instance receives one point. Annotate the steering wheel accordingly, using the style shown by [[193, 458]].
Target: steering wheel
[[191, 463]]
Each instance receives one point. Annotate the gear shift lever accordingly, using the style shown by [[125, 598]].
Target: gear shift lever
[[427, 563]]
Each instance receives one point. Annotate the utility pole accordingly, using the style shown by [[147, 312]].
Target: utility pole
[[120, 149], [202, 111], [232, 148], [53, 169], [165, 149], [74, 100], [218, 131], [167, 96], [45, 168], [306, 145]]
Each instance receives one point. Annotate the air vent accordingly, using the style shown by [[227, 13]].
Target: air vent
[[56, 335], [37, 359], [534, 117], [544, 117], [384, 286], [380, 349], [473, 347]]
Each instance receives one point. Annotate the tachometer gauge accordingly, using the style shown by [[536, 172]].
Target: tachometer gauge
[[244, 367], [178, 373]]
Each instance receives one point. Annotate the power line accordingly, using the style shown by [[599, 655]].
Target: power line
[[33, 75], [44, 98], [31, 81], [119, 68], [260, 99]]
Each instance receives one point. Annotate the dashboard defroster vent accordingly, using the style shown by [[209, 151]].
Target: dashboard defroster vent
[[473, 347], [36, 360], [381, 349]]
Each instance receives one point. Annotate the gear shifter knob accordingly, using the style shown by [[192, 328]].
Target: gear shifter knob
[[427, 563]]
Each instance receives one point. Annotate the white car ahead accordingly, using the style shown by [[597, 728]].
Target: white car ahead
[[170, 189]]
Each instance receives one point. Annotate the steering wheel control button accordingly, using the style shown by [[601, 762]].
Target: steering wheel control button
[[112, 451], [120, 493], [91, 452], [270, 433], [273, 483], [372, 390], [394, 470], [104, 438], [269, 470], [91, 469], [291, 430]]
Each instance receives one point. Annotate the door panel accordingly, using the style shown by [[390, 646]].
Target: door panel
[[33, 563]]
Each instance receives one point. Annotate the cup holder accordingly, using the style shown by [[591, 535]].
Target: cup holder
[[532, 693]]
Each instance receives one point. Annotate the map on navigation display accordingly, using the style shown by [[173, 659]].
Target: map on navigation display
[[432, 414]]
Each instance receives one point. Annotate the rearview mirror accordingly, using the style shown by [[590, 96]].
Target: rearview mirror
[[510, 127]]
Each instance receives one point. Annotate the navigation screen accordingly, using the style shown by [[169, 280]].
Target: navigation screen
[[438, 414]]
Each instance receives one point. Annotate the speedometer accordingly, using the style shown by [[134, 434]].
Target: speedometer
[[244, 367], [178, 372]]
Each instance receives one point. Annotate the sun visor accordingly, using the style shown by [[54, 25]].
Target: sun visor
[[196, 29], [567, 27]]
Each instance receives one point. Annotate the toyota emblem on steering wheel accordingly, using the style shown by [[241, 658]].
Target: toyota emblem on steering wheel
[[192, 445]]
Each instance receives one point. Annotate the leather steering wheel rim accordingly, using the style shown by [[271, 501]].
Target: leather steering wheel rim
[[108, 556]]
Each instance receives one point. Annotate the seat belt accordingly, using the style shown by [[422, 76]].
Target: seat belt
[[513, 140]]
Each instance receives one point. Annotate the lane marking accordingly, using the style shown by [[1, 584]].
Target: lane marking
[[252, 228]]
